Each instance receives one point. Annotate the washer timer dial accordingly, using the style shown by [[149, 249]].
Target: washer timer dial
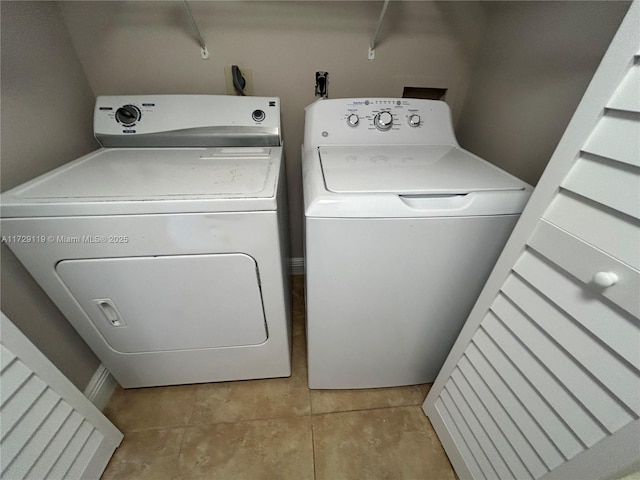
[[383, 121], [128, 115]]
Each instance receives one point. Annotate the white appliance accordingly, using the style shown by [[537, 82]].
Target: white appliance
[[402, 228], [166, 250]]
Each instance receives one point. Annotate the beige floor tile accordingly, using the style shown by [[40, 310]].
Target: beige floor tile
[[256, 399], [264, 449], [160, 443], [149, 454], [143, 468], [151, 408], [327, 401], [386, 444]]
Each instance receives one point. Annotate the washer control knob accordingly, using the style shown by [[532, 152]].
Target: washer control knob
[[414, 120], [258, 115], [605, 279], [383, 121], [128, 115], [352, 120]]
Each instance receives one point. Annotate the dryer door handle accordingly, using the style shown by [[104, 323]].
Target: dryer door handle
[[109, 310]]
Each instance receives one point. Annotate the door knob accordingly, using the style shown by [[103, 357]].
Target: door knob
[[605, 279]]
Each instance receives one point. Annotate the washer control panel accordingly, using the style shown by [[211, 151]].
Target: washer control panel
[[382, 114], [379, 120]]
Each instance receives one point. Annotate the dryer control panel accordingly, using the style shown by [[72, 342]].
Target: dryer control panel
[[379, 120], [186, 120]]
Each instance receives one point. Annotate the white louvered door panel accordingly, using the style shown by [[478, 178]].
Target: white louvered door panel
[[544, 380], [48, 429]]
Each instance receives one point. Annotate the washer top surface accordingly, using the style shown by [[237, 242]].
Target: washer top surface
[[153, 180], [410, 169], [397, 158]]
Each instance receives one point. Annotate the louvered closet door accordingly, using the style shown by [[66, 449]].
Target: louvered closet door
[[547, 384], [49, 429]]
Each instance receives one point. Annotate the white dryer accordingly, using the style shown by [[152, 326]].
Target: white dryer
[[402, 228], [166, 250]]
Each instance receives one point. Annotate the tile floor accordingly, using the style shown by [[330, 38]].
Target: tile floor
[[275, 429]]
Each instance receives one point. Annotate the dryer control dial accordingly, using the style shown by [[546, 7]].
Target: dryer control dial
[[352, 120], [258, 115], [383, 121], [128, 115]]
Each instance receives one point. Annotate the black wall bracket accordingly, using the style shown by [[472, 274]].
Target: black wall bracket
[[322, 84]]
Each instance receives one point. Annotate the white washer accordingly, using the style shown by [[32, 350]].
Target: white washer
[[167, 251], [402, 228]]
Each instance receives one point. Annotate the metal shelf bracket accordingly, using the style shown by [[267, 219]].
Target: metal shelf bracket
[[372, 46], [204, 51]]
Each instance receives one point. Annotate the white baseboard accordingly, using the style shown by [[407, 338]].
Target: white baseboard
[[100, 387], [296, 266]]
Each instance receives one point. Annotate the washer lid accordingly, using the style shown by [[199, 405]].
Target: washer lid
[[153, 180], [411, 169]]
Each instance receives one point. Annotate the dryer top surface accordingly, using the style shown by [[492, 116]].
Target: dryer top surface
[[151, 180]]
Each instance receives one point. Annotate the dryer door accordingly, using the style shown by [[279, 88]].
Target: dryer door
[[180, 302]]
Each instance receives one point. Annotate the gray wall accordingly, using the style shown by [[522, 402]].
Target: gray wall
[[532, 68], [46, 121], [148, 47]]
